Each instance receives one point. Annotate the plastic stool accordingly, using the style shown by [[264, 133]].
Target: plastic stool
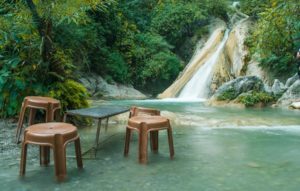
[[145, 124], [56, 136]]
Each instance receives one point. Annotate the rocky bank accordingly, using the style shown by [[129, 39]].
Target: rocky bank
[[100, 89]]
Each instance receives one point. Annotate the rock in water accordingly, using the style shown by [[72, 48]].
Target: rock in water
[[291, 95], [278, 88], [295, 105], [234, 88]]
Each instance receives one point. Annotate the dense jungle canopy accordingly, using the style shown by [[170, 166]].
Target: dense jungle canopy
[[45, 46]]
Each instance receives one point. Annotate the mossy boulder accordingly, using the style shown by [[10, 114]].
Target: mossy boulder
[[247, 91], [232, 89], [253, 98]]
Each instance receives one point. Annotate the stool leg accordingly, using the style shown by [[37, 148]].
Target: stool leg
[[20, 122], [32, 114], [127, 141], [170, 140], [49, 113], [154, 141], [143, 144], [59, 153], [44, 155], [23, 159], [78, 153], [45, 150]]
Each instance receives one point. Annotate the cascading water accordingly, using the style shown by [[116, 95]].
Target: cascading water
[[198, 86]]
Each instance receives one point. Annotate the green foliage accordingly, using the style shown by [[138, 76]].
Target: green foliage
[[44, 44], [254, 7], [252, 98], [175, 21], [117, 67], [227, 95], [216, 8], [155, 64], [276, 37], [31, 60], [72, 95], [19, 63]]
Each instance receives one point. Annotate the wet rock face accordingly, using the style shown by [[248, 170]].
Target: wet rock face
[[100, 89], [234, 88], [278, 88], [291, 80], [291, 95]]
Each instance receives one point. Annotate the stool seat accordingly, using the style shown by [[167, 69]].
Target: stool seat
[[40, 99], [51, 129], [55, 135], [41, 102], [151, 121]]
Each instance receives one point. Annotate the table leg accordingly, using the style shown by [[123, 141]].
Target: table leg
[[106, 125], [98, 133], [65, 117]]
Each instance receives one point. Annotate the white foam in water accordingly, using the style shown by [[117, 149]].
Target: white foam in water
[[173, 100], [285, 128], [184, 100]]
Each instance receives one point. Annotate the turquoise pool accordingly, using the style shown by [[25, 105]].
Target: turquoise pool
[[216, 149]]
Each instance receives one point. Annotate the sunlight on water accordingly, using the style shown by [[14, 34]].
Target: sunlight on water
[[216, 149]]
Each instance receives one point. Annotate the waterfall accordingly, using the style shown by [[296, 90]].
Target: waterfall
[[198, 87]]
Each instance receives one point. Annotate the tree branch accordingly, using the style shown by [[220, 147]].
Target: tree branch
[[36, 17]]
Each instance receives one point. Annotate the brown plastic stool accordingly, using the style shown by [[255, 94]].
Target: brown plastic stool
[[33, 103], [148, 123], [56, 136], [142, 111]]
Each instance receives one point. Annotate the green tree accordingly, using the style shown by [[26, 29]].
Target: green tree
[[155, 64], [31, 60], [176, 21], [275, 37]]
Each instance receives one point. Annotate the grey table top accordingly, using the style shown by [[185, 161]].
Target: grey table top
[[98, 112]]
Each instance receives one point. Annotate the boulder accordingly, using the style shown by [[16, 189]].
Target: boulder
[[291, 95], [295, 105], [278, 88], [233, 88], [99, 88], [291, 80]]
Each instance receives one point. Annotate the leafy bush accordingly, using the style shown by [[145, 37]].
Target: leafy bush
[[72, 95], [252, 98], [227, 95]]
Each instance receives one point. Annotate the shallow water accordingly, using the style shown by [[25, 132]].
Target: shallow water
[[216, 149]]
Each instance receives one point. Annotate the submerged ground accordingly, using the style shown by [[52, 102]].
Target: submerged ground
[[216, 149]]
